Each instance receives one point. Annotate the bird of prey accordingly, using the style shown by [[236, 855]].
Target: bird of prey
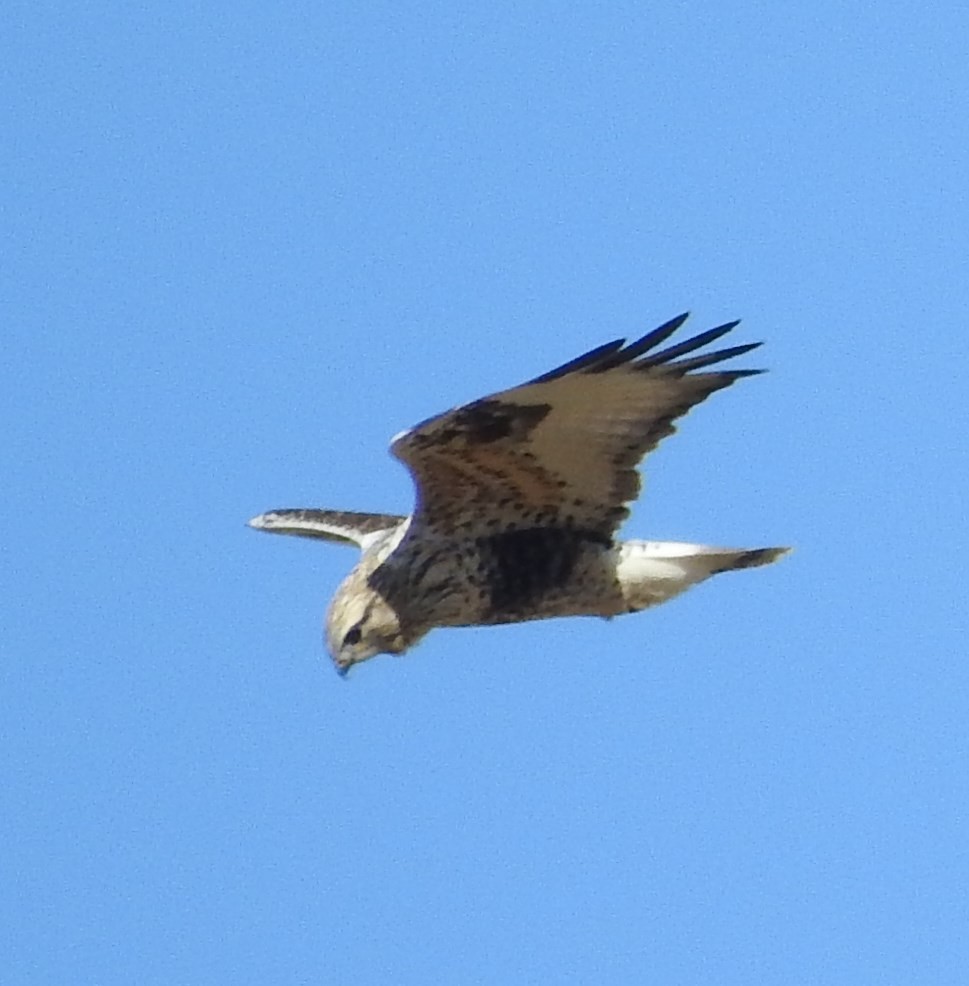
[[519, 498]]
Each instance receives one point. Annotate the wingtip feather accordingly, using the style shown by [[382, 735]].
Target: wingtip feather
[[638, 354]]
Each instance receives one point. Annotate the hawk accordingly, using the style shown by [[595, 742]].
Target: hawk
[[519, 499]]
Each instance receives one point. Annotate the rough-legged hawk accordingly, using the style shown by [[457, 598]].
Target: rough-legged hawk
[[519, 497]]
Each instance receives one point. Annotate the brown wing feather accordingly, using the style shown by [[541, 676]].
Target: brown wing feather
[[561, 450]]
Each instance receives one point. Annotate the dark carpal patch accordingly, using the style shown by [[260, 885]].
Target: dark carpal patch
[[490, 421], [521, 567]]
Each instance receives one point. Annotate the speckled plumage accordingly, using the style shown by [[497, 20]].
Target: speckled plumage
[[519, 496]]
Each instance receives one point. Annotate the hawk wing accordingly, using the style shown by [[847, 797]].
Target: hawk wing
[[345, 526], [561, 450]]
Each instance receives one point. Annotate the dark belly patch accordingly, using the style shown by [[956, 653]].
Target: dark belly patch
[[520, 568]]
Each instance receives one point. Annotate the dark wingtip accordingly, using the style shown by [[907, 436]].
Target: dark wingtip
[[639, 346], [590, 359], [708, 359], [617, 353]]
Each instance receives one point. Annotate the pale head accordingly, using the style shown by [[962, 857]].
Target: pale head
[[361, 624]]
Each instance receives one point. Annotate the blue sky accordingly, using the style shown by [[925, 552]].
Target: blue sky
[[246, 244]]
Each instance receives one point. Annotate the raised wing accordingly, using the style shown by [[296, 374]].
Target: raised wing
[[346, 526], [561, 450]]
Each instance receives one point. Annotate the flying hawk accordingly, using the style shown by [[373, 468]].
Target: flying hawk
[[519, 498]]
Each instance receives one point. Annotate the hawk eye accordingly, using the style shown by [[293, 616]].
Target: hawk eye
[[353, 636]]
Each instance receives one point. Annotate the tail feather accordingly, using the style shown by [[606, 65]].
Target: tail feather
[[751, 558], [651, 572]]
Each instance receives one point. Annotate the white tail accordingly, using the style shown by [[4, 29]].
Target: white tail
[[651, 572]]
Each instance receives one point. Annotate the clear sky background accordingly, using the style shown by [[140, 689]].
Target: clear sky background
[[247, 243]]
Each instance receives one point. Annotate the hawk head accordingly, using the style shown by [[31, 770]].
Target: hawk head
[[361, 624]]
